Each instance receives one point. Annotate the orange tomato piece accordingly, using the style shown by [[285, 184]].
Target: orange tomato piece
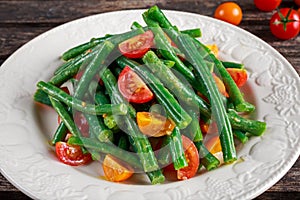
[[116, 170], [214, 146], [154, 124], [220, 85], [214, 48]]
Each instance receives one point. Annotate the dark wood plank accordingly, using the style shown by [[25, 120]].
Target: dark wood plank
[[21, 21]]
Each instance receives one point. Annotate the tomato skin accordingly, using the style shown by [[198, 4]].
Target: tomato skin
[[137, 46], [192, 156], [71, 154], [297, 2], [267, 5], [229, 12], [239, 76], [132, 87], [154, 125], [277, 24], [116, 170]]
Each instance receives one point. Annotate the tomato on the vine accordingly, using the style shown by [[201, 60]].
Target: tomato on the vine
[[297, 2], [285, 24], [267, 5], [229, 12]]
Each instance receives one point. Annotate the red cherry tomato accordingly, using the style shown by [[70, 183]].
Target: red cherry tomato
[[229, 12], [137, 46], [285, 24], [71, 154], [297, 2], [192, 156], [82, 124], [133, 88], [239, 76], [267, 5]]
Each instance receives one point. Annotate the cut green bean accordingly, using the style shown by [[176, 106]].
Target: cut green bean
[[174, 84], [227, 64], [218, 110], [107, 148], [195, 32], [75, 51], [65, 117], [117, 109], [174, 141], [240, 136], [235, 94], [42, 97], [208, 160], [253, 127]]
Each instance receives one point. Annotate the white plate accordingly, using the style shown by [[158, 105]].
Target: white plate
[[28, 162]]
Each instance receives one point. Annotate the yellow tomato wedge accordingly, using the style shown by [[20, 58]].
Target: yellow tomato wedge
[[220, 85], [153, 124], [214, 48], [214, 146], [116, 170]]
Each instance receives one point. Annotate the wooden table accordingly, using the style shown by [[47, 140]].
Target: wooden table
[[21, 21]]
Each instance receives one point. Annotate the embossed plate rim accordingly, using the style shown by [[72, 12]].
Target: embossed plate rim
[[110, 188]]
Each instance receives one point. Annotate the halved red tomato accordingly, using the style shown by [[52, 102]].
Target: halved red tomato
[[192, 157], [137, 46], [133, 88], [238, 75], [71, 154], [115, 170]]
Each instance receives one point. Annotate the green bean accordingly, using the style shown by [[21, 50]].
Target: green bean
[[107, 148], [253, 127], [235, 94], [165, 47], [174, 84], [174, 141], [240, 136], [42, 97], [218, 110], [70, 70], [208, 160], [59, 135], [65, 117], [196, 32], [227, 64], [75, 51], [118, 109], [100, 131]]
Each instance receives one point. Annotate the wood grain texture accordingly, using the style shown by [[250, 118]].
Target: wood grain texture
[[21, 21]]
